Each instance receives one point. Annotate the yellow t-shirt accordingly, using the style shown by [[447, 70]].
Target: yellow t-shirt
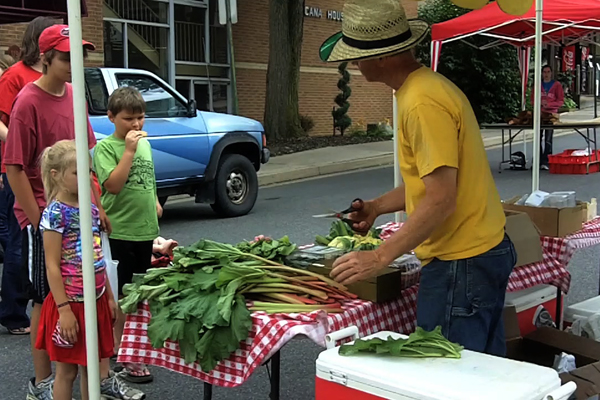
[[437, 128]]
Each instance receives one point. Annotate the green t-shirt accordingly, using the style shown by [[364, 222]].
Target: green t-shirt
[[132, 212]]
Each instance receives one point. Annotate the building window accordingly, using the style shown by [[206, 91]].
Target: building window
[[190, 34], [147, 48], [114, 55], [202, 96], [218, 36], [209, 96], [220, 97], [137, 10]]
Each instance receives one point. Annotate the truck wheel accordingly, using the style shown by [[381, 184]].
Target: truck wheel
[[236, 186], [162, 200]]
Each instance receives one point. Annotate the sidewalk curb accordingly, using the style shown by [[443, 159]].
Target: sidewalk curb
[[325, 169], [383, 160]]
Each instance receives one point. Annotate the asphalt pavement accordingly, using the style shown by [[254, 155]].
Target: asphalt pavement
[[286, 210]]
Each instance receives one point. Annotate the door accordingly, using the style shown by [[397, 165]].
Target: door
[[179, 142]]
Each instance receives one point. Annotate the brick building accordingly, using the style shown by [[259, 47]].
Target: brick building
[[137, 33]]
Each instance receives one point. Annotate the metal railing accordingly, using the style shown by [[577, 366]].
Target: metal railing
[[189, 42], [136, 10]]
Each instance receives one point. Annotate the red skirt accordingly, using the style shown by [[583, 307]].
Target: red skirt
[[77, 353]]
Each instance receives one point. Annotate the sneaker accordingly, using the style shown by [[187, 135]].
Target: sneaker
[[41, 391], [114, 388], [545, 167]]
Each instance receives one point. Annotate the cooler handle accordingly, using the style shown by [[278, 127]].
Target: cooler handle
[[562, 393], [333, 337]]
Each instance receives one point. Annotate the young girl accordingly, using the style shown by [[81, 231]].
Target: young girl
[[62, 326]]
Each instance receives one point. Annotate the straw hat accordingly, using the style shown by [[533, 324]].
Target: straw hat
[[371, 29]]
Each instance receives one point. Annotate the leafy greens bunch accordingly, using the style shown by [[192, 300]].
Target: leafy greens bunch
[[419, 344], [198, 301]]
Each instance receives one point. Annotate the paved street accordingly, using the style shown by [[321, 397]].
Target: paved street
[[285, 210]]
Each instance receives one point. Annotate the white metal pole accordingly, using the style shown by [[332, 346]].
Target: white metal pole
[[85, 207], [397, 178], [537, 87], [172, 72]]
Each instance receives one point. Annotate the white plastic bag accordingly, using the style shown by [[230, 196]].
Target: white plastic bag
[[111, 266]]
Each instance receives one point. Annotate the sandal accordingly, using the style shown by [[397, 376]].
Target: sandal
[[136, 373], [20, 331]]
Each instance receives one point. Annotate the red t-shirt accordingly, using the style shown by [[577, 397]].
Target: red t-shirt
[[37, 121], [11, 83]]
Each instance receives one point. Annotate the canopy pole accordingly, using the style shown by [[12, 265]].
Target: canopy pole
[[85, 208], [537, 87], [397, 177]]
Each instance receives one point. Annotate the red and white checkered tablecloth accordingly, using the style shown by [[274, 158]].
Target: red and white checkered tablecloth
[[557, 253], [269, 334]]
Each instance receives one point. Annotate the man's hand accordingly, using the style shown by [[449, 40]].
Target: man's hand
[[365, 216], [356, 266], [104, 221], [132, 139]]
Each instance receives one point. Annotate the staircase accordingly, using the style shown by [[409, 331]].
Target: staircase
[[149, 40]]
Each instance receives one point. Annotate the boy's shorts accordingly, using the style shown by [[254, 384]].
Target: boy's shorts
[[34, 265], [133, 257]]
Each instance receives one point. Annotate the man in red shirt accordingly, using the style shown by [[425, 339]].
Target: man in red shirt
[[13, 306], [41, 116]]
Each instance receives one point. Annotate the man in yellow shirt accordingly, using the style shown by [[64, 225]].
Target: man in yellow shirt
[[456, 221]]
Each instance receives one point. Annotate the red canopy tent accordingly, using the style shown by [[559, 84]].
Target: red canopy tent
[[564, 22]]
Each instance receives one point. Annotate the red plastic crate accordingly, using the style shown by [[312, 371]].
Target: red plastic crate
[[567, 164]]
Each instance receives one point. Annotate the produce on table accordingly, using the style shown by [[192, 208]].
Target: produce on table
[[342, 236], [268, 248], [420, 344], [200, 301]]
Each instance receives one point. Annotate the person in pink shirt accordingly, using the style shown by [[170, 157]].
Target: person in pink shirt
[[553, 97]]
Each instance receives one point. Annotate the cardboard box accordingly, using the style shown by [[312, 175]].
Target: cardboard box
[[556, 222], [541, 346], [525, 237], [386, 286]]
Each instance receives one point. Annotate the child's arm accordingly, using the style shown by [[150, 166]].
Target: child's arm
[[104, 220], [53, 251], [111, 297], [117, 178], [159, 209]]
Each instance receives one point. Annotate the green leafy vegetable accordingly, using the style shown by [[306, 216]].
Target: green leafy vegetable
[[198, 302], [342, 236], [268, 248], [420, 344]]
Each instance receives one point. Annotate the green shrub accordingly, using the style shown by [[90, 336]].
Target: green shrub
[[489, 78], [307, 123], [341, 120]]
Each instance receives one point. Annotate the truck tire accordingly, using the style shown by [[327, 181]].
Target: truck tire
[[236, 186]]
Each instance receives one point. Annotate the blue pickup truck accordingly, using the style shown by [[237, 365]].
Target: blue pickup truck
[[211, 156]]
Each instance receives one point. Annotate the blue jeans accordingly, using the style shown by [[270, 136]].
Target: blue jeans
[[13, 307], [466, 298]]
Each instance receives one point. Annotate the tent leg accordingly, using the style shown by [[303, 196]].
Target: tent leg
[[594, 77]]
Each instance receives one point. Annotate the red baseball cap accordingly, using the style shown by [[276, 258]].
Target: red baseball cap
[[56, 37]]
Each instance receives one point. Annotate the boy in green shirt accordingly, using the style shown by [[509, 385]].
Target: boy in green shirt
[[125, 170]]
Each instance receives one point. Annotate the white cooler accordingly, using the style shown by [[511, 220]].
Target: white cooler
[[583, 310], [475, 376]]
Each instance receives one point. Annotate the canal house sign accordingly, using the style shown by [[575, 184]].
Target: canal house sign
[[316, 12]]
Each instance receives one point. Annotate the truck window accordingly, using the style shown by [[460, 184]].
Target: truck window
[[95, 91], [160, 102]]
